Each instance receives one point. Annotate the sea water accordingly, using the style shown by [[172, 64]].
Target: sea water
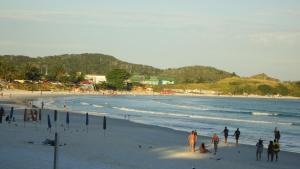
[[256, 118]]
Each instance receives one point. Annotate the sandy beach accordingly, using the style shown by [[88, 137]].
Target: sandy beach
[[125, 145]]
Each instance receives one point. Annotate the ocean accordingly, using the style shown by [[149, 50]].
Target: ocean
[[256, 118]]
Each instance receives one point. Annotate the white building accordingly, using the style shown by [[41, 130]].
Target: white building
[[95, 78]]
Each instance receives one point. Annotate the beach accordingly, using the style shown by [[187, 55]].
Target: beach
[[123, 145]]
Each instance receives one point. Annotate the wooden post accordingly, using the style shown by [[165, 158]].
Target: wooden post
[[55, 151]]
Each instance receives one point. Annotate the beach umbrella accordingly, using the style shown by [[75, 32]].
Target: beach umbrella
[[49, 123], [104, 124], [67, 119], [55, 118], [31, 113], [40, 115], [55, 115], [11, 113], [87, 121], [1, 114], [25, 116]]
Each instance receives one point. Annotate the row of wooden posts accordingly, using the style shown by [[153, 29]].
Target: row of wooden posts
[[36, 115], [9, 117]]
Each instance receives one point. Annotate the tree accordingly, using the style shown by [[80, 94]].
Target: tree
[[7, 71], [58, 73], [33, 73], [282, 90], [75, 77], [116, 78], [265, 89]]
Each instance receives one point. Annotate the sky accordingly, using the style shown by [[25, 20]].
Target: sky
[[241, 36]]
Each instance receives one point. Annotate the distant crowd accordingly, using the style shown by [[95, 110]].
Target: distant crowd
[[272, 149]]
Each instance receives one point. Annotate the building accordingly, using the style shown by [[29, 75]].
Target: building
[[153, 80], [95, 78], [166, 81], [137, 78]]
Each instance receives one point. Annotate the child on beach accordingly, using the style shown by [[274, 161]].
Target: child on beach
[[270, 151], [215, 141], [259, 149], [276, 149], [237, 134], [203, 149]]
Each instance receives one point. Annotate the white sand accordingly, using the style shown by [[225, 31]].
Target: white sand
[[160, 148]]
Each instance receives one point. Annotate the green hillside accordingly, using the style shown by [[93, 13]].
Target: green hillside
[[196, 74], [243, 86], [102, 64]]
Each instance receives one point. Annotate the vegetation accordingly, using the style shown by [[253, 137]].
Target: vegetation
[[116, 79], [58, 68], [196, 74], [70, 69], [241, 86]]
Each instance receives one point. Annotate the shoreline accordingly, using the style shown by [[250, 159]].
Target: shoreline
[[20, 94], [149, 146]]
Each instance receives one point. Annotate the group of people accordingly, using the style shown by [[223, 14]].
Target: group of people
[[236, 135], [193, 137], [273, 147]]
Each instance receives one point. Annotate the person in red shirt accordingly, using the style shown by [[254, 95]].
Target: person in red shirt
[[215, 141]]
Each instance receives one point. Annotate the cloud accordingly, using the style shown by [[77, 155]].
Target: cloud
[[120, 19], [279, 12], [291, 38]]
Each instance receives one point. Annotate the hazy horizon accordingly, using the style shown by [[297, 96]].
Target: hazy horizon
[[246, 37]]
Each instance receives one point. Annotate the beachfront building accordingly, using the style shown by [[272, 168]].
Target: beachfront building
[[151, 80], [95, 78], [167, 81], [137, 78]]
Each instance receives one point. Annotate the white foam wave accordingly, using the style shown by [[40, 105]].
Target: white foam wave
[[99, 106], [200, 117], [185, 106], [84, 103], [203, 108], [264, 114]]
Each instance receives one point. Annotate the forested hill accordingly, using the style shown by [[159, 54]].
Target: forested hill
[[102, 64]]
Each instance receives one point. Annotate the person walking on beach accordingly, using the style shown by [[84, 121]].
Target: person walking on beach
[[42, 105], [259, 149], [276, 149], [195, 139], [276, 134], [215, 141], [225, 131], [237, 134], [65, 106], [191, 140], [270, 151]]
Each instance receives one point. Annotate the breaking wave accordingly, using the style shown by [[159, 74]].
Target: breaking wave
[[200, 116]]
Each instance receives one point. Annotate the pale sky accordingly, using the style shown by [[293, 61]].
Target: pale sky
[[242, 36]]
